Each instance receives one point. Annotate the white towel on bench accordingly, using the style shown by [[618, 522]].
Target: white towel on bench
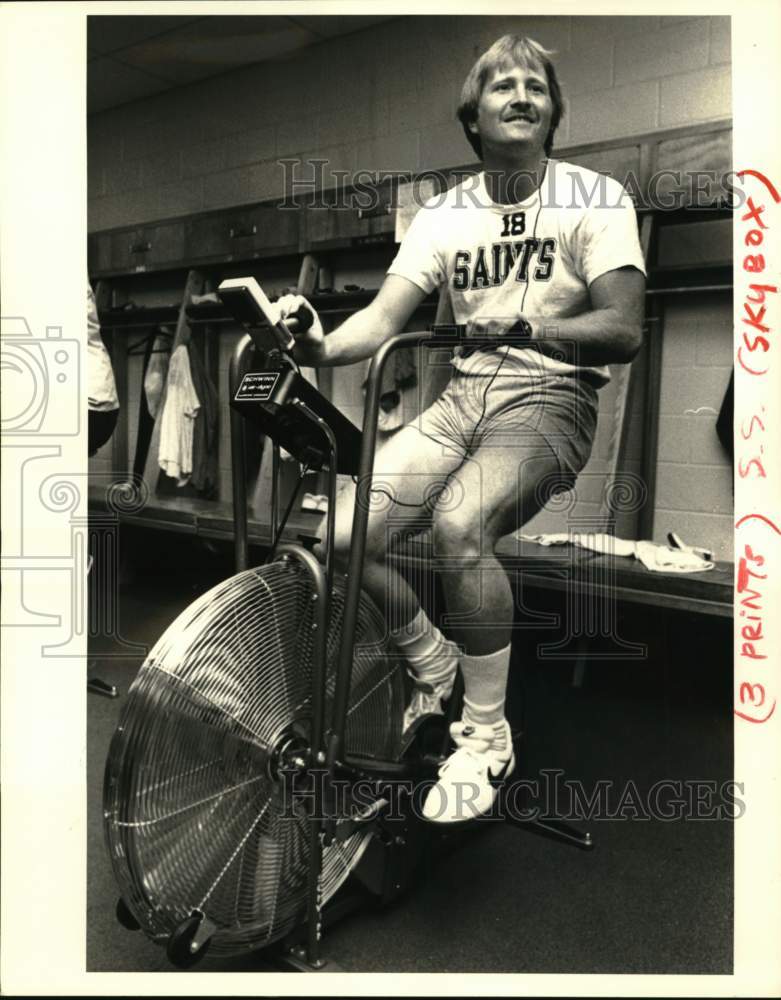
[[656, 557]]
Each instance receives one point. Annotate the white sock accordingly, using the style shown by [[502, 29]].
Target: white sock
[[430, 655], [485, 686]]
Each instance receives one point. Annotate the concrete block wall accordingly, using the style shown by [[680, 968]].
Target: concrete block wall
[[694, 475], [385, 99]]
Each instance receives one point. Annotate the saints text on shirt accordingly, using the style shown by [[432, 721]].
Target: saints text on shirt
[[491, 266]]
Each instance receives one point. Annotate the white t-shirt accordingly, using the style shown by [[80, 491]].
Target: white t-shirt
[[102, 389], [537, 257]]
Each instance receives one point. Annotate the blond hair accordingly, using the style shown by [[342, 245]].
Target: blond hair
[[511, 50]]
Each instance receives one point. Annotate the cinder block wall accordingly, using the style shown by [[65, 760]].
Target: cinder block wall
[[694, 475], [384, 99]]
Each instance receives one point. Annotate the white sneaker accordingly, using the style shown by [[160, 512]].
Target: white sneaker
[[470, 778]]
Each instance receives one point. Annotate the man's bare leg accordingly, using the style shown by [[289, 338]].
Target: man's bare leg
[[419, 470], [409, 472], [501, 491]]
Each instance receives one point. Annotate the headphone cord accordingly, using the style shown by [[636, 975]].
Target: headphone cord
[[400, 503]]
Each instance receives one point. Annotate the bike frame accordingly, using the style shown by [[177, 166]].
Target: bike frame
[[328, 751]]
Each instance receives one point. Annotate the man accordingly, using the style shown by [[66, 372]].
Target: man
[[533, 244]]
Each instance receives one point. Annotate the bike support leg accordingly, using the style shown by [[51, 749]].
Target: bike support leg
[[358, 540], [238, 458], [320, 625], [322, 582]]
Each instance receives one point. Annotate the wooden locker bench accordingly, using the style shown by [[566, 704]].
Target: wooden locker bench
[[564, 567]]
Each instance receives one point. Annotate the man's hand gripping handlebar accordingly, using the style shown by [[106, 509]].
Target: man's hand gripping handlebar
[[291, 319], [308, 347]]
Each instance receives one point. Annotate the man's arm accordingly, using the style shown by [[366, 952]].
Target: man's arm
[[608, 333], [365, 331]]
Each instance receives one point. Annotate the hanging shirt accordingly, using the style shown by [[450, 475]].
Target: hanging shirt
[[178, 419], [102, 389], [204, 474]]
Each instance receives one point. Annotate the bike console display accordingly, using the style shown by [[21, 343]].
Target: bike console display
[[251, 307], [270, 397]]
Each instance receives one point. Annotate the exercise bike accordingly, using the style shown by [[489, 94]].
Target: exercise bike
[[259, 783]]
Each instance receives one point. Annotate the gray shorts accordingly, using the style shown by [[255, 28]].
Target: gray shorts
[[555, 413]]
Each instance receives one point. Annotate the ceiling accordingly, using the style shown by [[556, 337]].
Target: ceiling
[[129, 58]]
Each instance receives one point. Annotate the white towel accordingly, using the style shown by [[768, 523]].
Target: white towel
[[658, 558]]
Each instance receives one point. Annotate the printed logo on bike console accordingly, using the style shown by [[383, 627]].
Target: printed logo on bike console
[[257, 387]]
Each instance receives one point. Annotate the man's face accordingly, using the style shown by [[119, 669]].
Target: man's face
[[515, 109]]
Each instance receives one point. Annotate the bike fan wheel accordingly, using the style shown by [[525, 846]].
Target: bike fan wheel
[[194, 812]]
